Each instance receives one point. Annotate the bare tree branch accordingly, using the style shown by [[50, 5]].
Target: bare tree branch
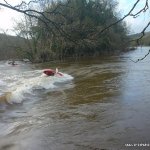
[[144, 9], [37, 14], [23, 7], [140, 59], [125, 16]]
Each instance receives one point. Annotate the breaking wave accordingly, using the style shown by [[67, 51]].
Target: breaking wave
[[26, 83]]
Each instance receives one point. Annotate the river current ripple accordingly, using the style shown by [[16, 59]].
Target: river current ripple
[[101, 103]]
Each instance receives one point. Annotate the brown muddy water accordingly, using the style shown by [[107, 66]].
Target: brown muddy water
[[101, 104]]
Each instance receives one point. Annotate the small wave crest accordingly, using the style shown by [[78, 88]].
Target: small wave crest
[[29, 85], [2, 83]]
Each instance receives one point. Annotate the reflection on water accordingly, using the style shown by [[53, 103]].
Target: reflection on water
[[105, 106]]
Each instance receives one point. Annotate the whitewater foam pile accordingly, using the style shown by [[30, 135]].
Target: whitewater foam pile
[[27, 82]]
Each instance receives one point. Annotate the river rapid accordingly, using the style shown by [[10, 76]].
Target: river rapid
[[101, 103]]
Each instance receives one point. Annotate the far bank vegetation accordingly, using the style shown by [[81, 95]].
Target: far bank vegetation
[[71, 29]]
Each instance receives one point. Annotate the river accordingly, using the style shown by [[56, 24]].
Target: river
[[99, 104]]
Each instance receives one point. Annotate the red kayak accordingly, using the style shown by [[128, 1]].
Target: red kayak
[[51, 72]]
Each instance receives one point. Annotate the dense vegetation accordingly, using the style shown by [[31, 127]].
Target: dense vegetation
[[73, 30]]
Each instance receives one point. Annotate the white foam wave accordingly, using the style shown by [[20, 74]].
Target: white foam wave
[[2, 83], [34, 83]]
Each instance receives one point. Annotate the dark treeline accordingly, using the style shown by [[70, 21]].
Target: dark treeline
[[73, 30], [10, 46]]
